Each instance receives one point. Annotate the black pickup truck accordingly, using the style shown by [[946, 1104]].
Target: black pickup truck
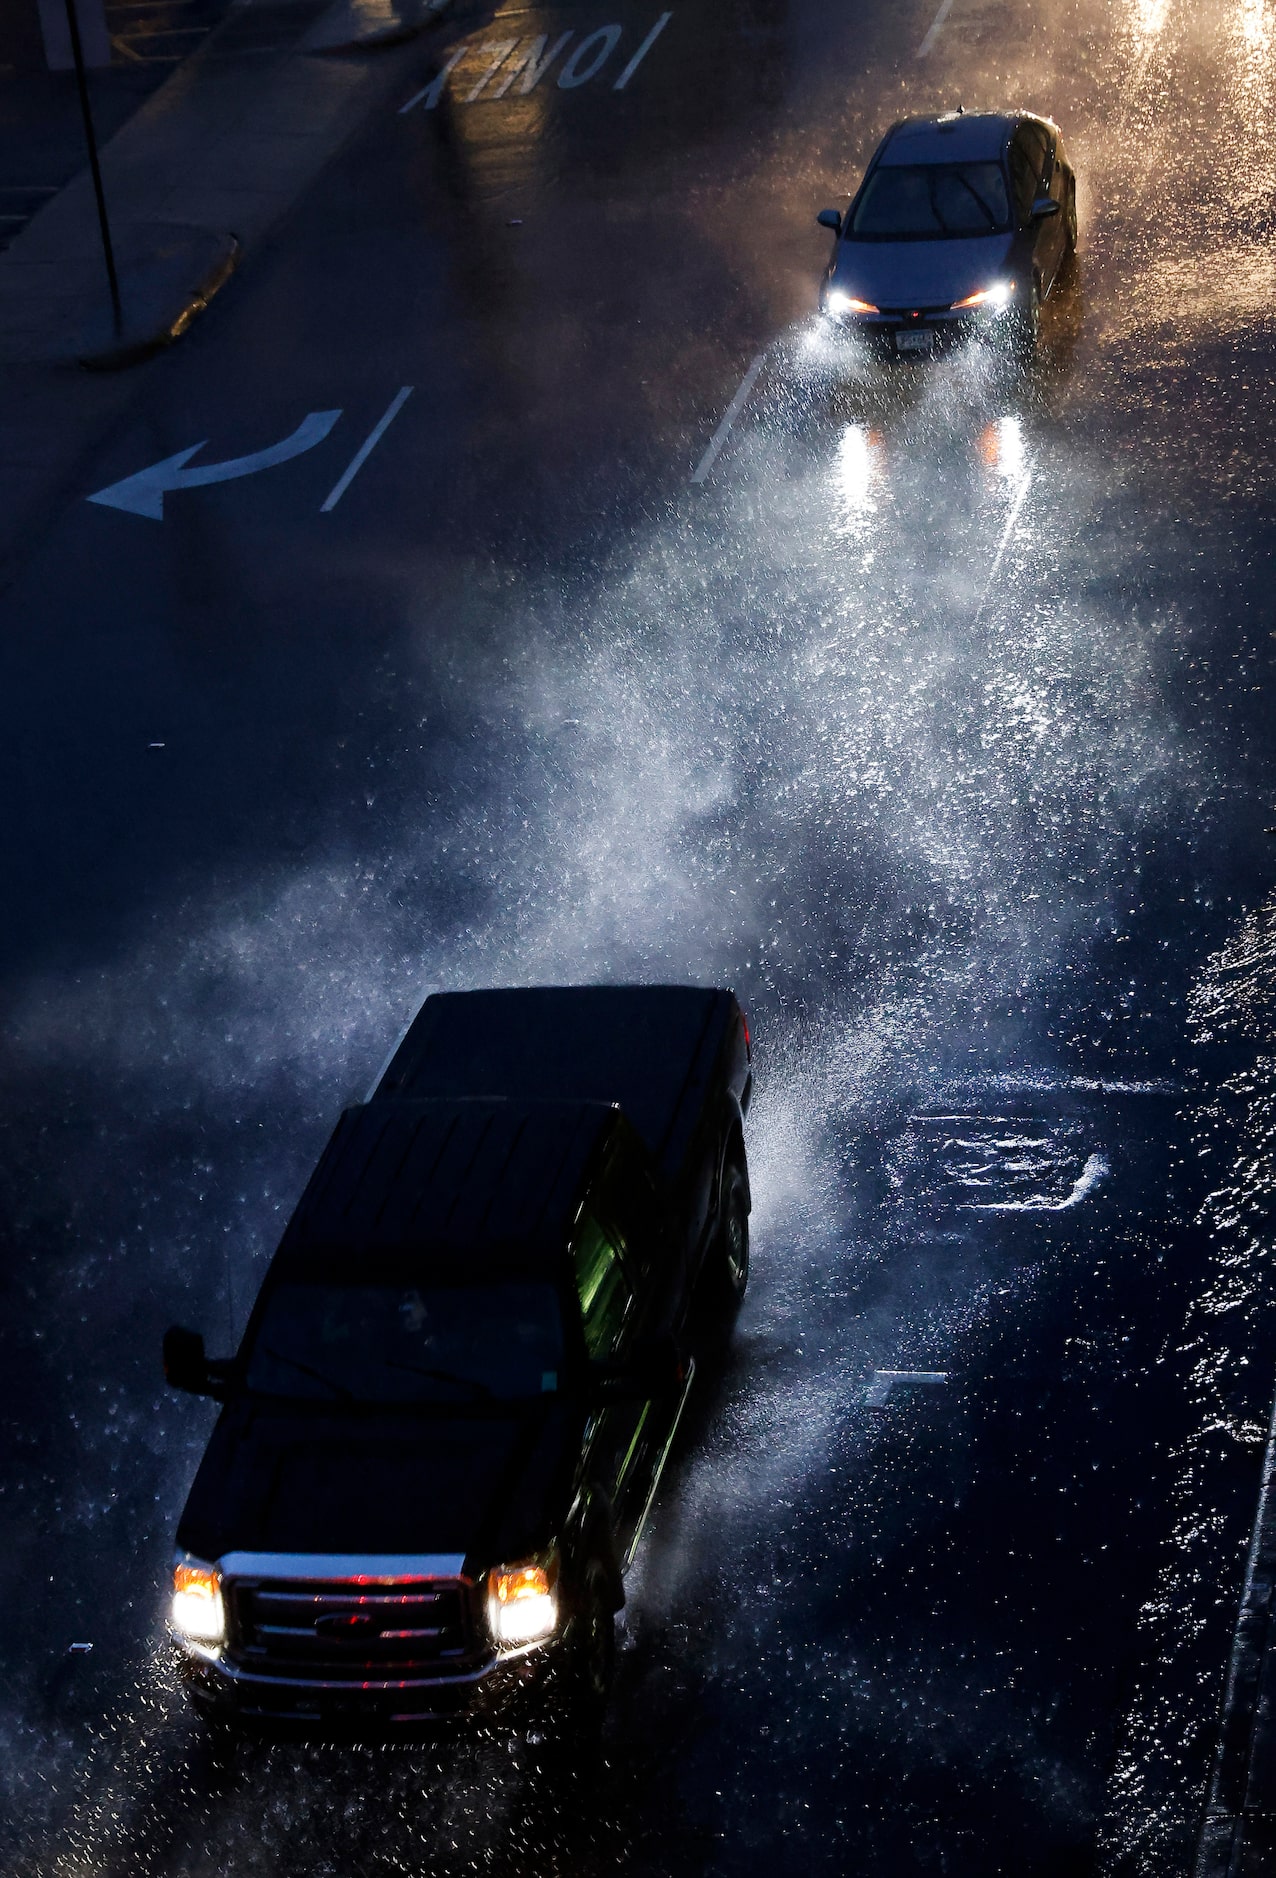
[[448, 1417]]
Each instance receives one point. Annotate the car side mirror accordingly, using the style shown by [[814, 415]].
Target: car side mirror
[[1044, 206], [829, 218], [187, 1367]]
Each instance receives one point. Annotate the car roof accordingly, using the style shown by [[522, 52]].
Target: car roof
[[443, 1182], [957, 137]]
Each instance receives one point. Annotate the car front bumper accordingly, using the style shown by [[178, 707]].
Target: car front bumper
[[903, 335]]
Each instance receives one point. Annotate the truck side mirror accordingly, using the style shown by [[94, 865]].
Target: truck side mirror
[[187, 1367], [1044, 206], [829, 218]]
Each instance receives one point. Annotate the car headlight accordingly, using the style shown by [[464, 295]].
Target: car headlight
[[198, 1612], [837, 302], [994, 297], [522, 1603]]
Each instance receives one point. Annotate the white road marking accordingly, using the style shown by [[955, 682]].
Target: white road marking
[[143, 493], [877, 1394], [642, 51], [432, 92], [366, 448], [533, 61], [571, 74], [1020, 494], [502, 48], [1095, 1170], [936, 27], [510, 57], [723, 431]]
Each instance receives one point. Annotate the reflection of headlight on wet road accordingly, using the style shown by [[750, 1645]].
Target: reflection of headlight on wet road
[[837, 303], [857, 466], [993, 298], [1002, 447]]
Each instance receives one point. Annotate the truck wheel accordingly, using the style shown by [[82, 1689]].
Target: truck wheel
[[731, 1253], [593, 1644], [571, 1702]]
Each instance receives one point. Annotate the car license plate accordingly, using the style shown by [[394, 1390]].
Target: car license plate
[[914, 341]]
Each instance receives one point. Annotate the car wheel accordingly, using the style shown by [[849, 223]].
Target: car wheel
[[731, 1253], [1070, 221], [1028, 322]]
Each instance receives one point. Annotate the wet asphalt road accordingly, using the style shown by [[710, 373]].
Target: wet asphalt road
[[935, 720]]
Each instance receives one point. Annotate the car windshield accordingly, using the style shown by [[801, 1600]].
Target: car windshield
[[926, 201], [408, 1343]]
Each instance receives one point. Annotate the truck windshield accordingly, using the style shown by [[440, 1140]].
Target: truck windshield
[[404, 1343], [928, 201]]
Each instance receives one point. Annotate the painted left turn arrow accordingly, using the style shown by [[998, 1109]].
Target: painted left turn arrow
[[143, 493]]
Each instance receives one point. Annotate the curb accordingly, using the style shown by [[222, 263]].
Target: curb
[[1236, 1805], [161, 329]]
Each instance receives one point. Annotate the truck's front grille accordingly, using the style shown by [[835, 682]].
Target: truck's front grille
[[350, 1632]]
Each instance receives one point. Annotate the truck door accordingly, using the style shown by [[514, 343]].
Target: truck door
[[650, 1245], [609, 1314]]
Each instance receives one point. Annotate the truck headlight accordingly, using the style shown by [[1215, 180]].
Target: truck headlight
[[198, 1612], [522, 1603]]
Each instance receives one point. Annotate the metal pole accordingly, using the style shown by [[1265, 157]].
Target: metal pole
[[77, 53]]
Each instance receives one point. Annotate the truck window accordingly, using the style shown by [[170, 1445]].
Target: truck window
[[628, 1193], [603, 1288]]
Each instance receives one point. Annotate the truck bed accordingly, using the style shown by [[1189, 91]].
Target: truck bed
[[649, 1048]]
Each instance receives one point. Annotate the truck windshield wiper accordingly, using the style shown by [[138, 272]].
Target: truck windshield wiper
[[446, 1375], [329, 1382]]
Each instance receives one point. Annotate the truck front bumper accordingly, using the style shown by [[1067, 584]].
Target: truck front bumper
[[223, 1691]]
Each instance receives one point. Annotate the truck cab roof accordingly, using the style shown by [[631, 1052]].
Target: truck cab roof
[[447, 1181]]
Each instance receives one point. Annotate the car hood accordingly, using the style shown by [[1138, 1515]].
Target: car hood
[[484, 1486], [920, 273]]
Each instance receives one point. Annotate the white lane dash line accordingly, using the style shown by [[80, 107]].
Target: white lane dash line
[[878, 1392], [936, 27], [1020, 496], [642, 51], [366, 448], [723, 431]]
